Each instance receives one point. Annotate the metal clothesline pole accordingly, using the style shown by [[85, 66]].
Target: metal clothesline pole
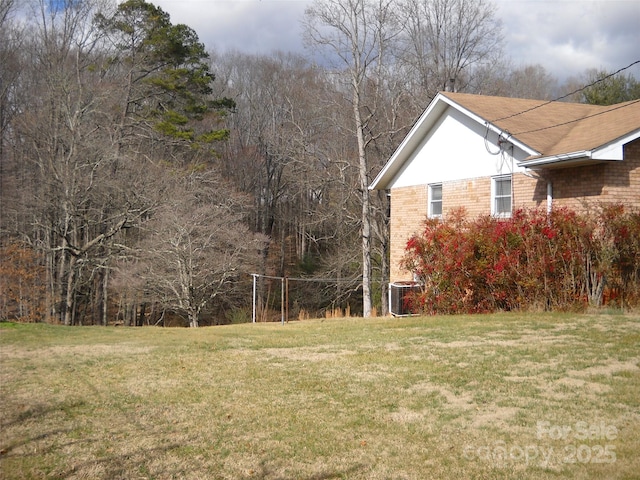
[[284, 294], [282, 299], [253, 315]]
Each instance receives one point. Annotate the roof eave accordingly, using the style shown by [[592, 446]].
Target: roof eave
[[562, 160], [611, 151], [408, 144]]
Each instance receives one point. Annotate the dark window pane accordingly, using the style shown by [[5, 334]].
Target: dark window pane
[[503, 187], [503, 205], [436, 192], [436, 200]]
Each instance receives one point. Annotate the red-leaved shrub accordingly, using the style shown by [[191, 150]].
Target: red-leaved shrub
[[533, 260]]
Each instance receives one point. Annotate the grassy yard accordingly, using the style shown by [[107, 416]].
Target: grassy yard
[[533, 396]]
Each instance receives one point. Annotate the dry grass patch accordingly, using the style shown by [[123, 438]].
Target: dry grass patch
[[469, 397]]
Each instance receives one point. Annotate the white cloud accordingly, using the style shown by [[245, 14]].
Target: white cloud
[[569, 37], [251, 26], [566, 37]]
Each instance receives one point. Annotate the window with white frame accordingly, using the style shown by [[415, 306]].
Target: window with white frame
[[435, 200], [501, 196]]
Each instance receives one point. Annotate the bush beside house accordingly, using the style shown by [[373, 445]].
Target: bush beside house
[[559, 261]]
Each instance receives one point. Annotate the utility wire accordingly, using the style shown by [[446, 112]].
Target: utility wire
[[567, 95], [309, 279], [628, 104]]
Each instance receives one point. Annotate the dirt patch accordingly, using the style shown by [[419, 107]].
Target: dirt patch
[[577, 383], [528, 368], [499, 417], [458, 344], [99, 350], [393, 347], [305, 354], [504, 339], [607, 369], [405, 416], [462, 402]]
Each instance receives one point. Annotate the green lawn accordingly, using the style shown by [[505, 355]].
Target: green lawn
[[502, 396]]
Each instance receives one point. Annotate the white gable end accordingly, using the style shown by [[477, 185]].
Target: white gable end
[[455, 149]]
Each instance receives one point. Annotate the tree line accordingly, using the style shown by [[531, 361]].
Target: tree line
[[144, 178]]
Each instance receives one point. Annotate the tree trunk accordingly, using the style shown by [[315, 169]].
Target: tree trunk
[[105, 298], [142, 314], [193, 319], [70, 297], [366, 208]]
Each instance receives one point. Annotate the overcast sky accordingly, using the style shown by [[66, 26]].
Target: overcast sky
[[566, 37]]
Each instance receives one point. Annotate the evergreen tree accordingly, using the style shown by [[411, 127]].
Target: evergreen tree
[[168, 79], [608, 89]]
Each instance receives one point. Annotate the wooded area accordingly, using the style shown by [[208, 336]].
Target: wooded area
[[143, 179]]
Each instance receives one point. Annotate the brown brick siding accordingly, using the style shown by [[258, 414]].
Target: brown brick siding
[[474, 195], [580, 188], [577, 188], [408, 211]]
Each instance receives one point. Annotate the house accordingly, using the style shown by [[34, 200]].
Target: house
[[492, 155]]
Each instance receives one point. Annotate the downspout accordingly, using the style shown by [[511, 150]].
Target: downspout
[[549, 197], [513, 187]]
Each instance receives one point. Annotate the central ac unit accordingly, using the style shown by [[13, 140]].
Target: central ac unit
[[400, 298]]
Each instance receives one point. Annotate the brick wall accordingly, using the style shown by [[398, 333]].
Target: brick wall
[[581, 188], [577, 188], [409, 207], [473, 194], [408, 211], [619, 186]]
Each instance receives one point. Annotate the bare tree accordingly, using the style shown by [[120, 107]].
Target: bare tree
[[11, 37], [196, 244], [11, 70], [357, 35], [64, 154], [281, 119], [529, 81], [447, 39], [80, 169]]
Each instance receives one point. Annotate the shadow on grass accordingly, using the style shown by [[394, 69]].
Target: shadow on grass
[[5, 450], [35, 413], [123, 465], [265, 472], [40, 411], [40, 444]]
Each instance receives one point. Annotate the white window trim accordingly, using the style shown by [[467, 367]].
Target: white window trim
[[493, 196], [430, 200]]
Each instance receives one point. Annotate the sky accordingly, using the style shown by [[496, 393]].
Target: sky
[[566, 37]]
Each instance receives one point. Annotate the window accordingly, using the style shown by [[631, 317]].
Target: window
[[501, 196], [435, 200]]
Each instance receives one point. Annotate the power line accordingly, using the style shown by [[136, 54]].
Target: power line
[[567, 95], [628, 104], [309, 279]]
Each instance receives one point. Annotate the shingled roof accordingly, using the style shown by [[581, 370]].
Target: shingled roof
[[552, 133], [554, 128]]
